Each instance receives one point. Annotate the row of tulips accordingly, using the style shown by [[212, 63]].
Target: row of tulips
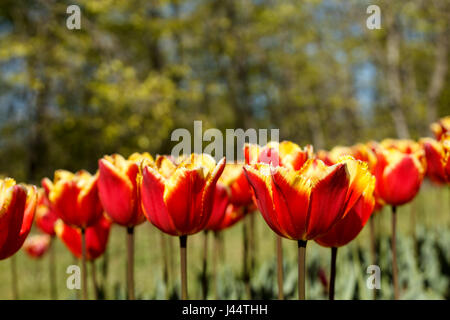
[[327, 197]]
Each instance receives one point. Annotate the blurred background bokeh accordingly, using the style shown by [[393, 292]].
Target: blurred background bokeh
[[139, 69]]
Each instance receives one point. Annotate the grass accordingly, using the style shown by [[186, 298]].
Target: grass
[[427, 216]]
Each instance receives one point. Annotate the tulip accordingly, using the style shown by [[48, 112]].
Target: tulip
[[363, 152], [74, 197], [286, 154], [96, 238], [446, 144], [118, 192], [436, 160], [399, 175], [45, 216], [399, 172], [178, 198], [18, 206], [17, 209], [234, 180], [359, 151], [36, 246], [346, 229], [441, 127], [117, 187], [305, 204]]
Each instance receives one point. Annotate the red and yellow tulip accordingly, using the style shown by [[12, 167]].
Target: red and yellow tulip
[[436, 160], [45, 216], [236, 184], [285, 153], [17, 209], [399, 171], [118, 191], [305, 204], [36, 246], [224, 213], [96, 237], [74, 197], [178, 198], [441, 127]]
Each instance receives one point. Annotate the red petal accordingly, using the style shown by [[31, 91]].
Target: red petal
[[220, 204], [264, 201], [152, 194], [117, 193], [11, 220], [346, 229], [184, 199], [291, 194], [327, 202]]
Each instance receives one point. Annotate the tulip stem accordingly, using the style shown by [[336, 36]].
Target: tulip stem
[[332, 273], [245, 258], [205, 266], [183, 264], [83, 265], [301, 269], [280, 267], [215, 258], [373, 247], [394, 253], [94, 279], [252, 245], [14, 283], [130, 262], [52, 271]]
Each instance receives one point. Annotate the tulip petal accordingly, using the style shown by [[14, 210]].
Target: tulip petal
[[346, 229], [328, 201], [262, 188], [152, 194], [183, 197], [117, 193], [11, 218], [291, 194]]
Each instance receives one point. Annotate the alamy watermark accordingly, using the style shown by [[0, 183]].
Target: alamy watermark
[[374, 280], [74, 20], [374, 20], [74, 279]]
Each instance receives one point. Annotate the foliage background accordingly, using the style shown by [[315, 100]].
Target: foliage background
[[139, 69]]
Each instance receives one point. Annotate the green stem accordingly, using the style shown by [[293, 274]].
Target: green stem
[[130, 262], [205, 266], [373, 252], [183, 264], [280, 267], [332, 273], [14, 282], [394, 253], [301, 269], [84, 289]]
